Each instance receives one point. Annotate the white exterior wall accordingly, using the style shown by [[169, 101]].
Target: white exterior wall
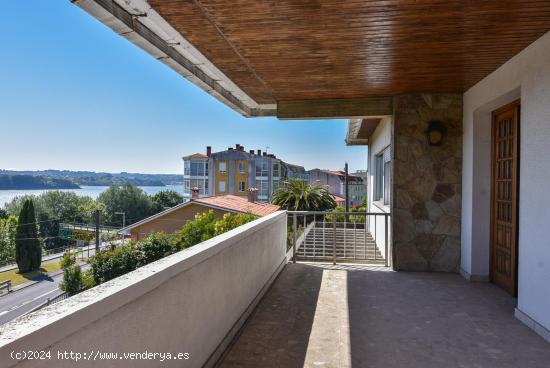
[[380, 139], [188, 302], [525, 76]]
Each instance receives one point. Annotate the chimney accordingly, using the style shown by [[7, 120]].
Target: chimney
[[251, 152], [208, 151], [194, 193], [237, 147], [252, 192], [265, 154], [230, 148], [259, 152]]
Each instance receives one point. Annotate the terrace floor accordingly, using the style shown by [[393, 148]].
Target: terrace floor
[[319, 315]]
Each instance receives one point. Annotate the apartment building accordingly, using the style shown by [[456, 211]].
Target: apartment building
[[195, 174], [291, 171], [336, 182], [235, 170]]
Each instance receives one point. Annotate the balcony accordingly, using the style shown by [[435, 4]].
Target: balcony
[[236, 301], [321, 315]]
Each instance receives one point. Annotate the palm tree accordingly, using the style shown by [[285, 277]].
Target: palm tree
[[299, 195]]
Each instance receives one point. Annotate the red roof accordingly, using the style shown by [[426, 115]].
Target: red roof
[[195, 155], [338, 199], [239, 204]]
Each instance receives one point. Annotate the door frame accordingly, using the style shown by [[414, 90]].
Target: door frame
[[516, 104]]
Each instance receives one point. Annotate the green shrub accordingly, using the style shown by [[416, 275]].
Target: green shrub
[[108, 264], [198, 230], [88, 279], [72, 275], [230, 221], [154, 247]]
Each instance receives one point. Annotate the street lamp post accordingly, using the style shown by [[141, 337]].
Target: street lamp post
[[123, 222]]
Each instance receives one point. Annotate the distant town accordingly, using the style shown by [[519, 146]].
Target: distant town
[[65, 179]]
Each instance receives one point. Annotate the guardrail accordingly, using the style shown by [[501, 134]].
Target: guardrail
[[5, 285], [50, 301], [339, 236]]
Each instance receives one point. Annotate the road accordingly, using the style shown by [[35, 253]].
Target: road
[[19, 302], [89, 250]]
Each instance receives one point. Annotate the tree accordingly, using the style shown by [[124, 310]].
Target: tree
[[3, 214], [299, 195], [8, 229], [128, 199], [51, 209], [28, 252], [166, 199], [73, 281]]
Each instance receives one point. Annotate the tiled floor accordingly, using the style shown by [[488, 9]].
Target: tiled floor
[[358, 316]]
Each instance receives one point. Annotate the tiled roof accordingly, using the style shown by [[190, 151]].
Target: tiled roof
[[338, 199], [239, 204], [195, 155]]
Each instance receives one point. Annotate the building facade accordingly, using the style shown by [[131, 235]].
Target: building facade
[[336, 182], [235, 170], [195, 174]]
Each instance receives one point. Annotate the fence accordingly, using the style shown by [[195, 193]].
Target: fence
[[339, 236]]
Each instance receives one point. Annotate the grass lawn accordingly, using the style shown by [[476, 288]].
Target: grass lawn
[[18, 278]]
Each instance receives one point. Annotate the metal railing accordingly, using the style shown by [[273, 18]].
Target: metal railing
[[50, 301], [339, 236], [5, 285]]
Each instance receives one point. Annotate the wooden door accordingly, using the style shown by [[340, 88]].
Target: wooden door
[[504, 197]]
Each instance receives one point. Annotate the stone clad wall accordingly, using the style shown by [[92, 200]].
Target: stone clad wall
[[426, 184]]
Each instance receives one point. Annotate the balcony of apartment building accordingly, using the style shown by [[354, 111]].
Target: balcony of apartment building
[[449, 266], [291, 289]]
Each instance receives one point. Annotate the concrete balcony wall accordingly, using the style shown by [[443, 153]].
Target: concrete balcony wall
[[190, 302]]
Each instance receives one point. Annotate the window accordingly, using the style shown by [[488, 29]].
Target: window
[[186, 167], [202, 184], [186, 186], [242, 186], [221, 186], [276, 170], [262, 189], [382, 179], [241, 167], [275, 185], [261, 168], [222, 167]]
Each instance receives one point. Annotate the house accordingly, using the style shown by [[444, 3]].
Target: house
[[336, 183], [171, 220]]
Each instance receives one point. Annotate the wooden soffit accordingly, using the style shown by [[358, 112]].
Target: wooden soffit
[[276, 52]]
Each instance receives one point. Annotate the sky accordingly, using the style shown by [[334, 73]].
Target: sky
[[74, 95]]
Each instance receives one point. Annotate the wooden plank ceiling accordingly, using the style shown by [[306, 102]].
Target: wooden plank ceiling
[[330, 49]]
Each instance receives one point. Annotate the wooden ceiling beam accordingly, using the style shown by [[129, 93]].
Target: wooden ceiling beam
[[335, 108]]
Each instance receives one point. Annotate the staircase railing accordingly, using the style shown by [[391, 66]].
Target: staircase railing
[[340, 236]]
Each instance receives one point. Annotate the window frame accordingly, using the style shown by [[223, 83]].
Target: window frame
[[382, 178], [224, 171]]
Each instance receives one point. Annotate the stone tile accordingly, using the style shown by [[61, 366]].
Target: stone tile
[[351, 315]]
